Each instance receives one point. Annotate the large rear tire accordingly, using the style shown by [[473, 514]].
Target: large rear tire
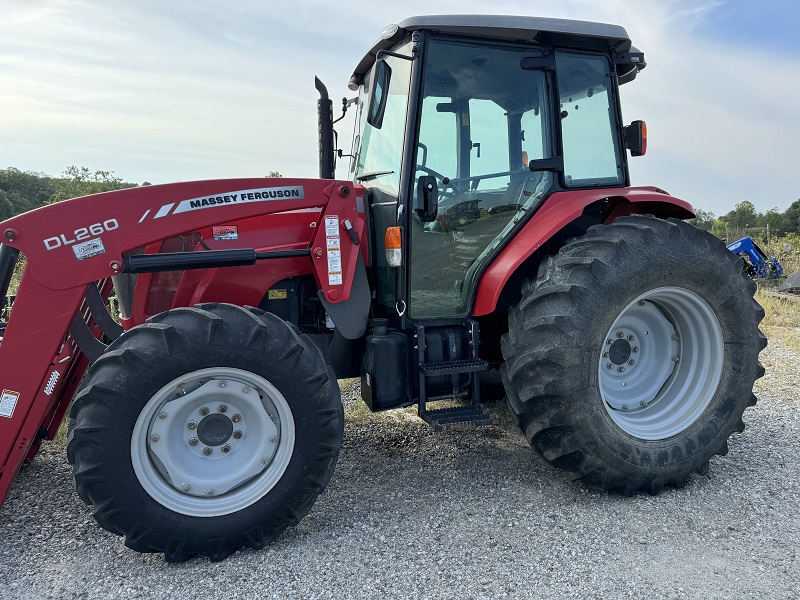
[[632, 356], [204, 430]]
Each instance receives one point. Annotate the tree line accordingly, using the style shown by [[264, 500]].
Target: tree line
[[744, 219], [21, 191]]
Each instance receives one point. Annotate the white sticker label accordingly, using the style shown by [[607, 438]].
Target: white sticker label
[[8, 402], [89, 249], [334, 250]]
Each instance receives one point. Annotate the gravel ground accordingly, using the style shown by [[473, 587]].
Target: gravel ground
[[470, 514]]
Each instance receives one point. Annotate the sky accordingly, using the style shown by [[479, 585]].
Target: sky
[[178, 90]]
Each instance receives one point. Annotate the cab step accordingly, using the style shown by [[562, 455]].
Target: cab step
[[458, 417], [453, 367]]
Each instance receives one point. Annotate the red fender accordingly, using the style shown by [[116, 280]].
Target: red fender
[[558, 211]]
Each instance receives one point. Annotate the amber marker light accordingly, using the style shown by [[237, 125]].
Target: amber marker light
[[394, 247]]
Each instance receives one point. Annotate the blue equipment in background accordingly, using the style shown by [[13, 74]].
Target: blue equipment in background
[[756, 262]]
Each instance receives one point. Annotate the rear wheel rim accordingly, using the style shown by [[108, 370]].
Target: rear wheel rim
[[213, 442], [661, 363]]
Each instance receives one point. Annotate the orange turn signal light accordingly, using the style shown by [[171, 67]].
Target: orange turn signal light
[[394, 247]]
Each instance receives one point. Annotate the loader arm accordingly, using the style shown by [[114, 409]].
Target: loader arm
[[75, 244]]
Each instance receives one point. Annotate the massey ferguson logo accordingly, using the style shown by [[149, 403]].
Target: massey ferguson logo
[[82, 233]]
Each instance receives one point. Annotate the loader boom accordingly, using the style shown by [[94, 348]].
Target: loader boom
[[85, 241]]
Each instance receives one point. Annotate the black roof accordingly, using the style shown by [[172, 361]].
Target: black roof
[[540, 30]]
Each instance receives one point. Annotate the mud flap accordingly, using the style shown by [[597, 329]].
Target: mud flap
[[351, 315]]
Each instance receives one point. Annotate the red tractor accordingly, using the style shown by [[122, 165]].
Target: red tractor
[[211, 419]]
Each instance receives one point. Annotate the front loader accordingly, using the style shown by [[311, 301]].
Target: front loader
[[488, 226]]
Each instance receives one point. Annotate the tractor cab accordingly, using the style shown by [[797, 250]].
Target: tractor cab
[[465, 125]]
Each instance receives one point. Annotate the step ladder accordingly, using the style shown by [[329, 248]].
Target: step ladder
[[471, 415]]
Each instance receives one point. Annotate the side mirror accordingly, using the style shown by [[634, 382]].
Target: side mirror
[[547, 164], [426, 203], [379, 93], [635, 136]]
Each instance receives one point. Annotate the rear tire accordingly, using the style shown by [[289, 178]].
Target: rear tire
[[204, 430], [632, 356]]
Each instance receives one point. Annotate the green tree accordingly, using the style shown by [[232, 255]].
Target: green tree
[[704, 219], [743, 215], [792, 216], [6, 208], [775, 222], [80, 181]]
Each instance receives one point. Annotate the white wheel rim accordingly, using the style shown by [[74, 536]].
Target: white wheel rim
[[661, 363], [213, 442]]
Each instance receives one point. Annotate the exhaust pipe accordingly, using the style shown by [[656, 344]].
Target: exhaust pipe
[[327, 160]]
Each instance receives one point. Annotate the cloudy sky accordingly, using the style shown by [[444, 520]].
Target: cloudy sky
[[175, 90]]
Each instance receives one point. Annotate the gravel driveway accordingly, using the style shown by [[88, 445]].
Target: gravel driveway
[[470, 514]]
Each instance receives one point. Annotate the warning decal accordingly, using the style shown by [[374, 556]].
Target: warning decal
[[225, 232], [89, 249], [8, 402], [334, 250]]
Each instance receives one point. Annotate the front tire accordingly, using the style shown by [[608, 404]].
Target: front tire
[[632, 356], [204, 430]]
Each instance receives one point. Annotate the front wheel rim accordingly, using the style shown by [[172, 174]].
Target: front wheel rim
[[213, 442], [661, 363]]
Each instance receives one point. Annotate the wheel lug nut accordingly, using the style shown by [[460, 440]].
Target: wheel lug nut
[[186, 487], [191, 425], [204, 411], [605, 354], [162, 416], [631, 362], [675, 359], [223, 383], [155, 438], [237, 434], [635, 349], [207, 451], [226, 448], [675, 338], [620, 334], [609, 341], [630, 338], [223, 408], [194, 442], [246, 390], [209, 493], [609, 366], [236, 418], [621, 369], [641, 302], [642, 403], [624, 407], [272, 439]]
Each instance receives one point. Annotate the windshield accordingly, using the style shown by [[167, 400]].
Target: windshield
[[378, 152]]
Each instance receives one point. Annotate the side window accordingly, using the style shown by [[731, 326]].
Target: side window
[[588, 120], [437, 138], [489, 134]]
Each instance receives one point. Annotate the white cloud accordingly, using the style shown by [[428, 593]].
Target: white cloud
[[192, 90]]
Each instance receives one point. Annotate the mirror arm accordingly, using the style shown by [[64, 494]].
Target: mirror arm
[[382, 53]]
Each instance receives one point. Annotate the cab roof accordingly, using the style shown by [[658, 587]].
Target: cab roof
[[583, 35]]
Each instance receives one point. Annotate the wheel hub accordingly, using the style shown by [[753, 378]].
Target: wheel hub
[[215, 430], [620, 352]]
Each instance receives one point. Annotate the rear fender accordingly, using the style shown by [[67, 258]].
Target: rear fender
[[556, 213]]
